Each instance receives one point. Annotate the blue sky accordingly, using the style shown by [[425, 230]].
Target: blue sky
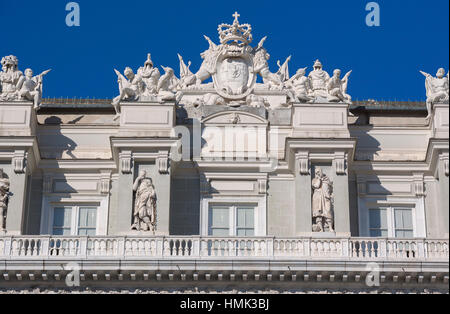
[[413, 36]]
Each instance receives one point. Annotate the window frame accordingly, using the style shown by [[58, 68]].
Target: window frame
[[75, 216], [232, 217], [390, 207]]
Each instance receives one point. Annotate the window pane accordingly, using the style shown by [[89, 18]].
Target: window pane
[[403, 218], [219, 221], [219, 217], [88, 217], [378, 218], [62, 217], [245, 217], [245, 224]]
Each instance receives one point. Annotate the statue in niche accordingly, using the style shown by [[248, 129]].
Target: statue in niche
[[145, 204], [9, 78], [437, 89], [299, 87], [322, 202], [30, 88], [319, 79], [4, 197], [337, 88]]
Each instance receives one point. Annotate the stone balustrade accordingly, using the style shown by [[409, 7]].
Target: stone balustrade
[[367, 249]]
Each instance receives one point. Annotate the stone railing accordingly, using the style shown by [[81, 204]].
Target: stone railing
[[46, 247]]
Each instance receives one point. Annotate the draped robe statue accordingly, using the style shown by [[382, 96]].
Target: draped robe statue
[[4, 195], [145, 204], [322, 204]]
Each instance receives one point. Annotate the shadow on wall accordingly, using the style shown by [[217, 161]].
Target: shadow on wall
[[63, 145]]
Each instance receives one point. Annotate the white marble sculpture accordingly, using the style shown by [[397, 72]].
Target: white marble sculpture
[[145, 204], [147, 84], [187, 78], [29, 87], [437, 89], [322, 202], [337, 88], [319, 80], [15, 86], [9, 78], [234, 66], [4, 196], [299, 87]]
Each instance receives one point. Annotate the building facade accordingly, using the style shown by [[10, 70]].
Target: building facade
[[231, 174]]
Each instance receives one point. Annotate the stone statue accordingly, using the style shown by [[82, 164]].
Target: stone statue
[[322, 202], [168, 85], [4, 196], [209, 61], [319, 79], [337, 88], [283, 71], [300, 87], [30, 88], [130, 88], [272, 80], [187, 78], [9, 78], [150, 77], [437, 89], [145, 204]]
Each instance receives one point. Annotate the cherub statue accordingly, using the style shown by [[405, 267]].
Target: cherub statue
[[130, 88], [30, 88], [337, 88], [437, 89]]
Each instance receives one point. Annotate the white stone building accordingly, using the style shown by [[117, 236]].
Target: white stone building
[[284, 182]]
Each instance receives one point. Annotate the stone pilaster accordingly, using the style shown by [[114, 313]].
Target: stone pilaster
[[303, 194], [443, 192], [17, 201], [125, 198], [341, 195]]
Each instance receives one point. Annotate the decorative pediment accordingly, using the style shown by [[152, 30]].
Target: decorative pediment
[[235, 118]]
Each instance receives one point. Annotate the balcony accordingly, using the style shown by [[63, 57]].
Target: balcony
[[187, 258]]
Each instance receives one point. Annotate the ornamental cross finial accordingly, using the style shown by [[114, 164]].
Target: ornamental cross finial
[[236, 17]]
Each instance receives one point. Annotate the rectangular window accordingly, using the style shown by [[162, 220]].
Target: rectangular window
[[391, 221], [74, 220], [232, 220]]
